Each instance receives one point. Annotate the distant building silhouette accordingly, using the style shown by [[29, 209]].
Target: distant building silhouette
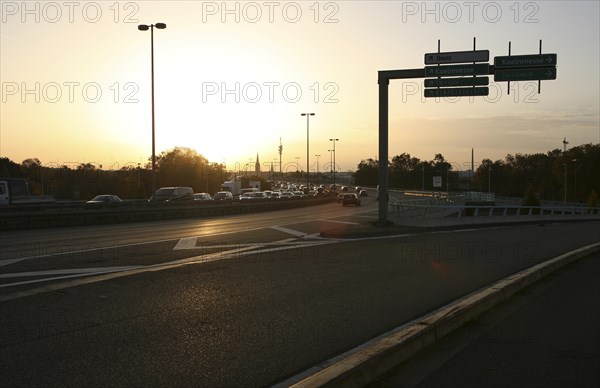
[[257, 167]]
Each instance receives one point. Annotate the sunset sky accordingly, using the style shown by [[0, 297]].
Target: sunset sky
[[232, 78]]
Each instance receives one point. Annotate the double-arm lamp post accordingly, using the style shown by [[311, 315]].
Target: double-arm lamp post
[[307, 156], [146, 27]]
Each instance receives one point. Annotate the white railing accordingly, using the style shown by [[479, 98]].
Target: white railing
[[439, 210]]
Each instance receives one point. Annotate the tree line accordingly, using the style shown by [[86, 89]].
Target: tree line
[[180, 166], [572, 175]]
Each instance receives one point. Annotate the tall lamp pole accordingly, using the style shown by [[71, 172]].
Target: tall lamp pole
[[334, 140], [307, 155], [575, 185], [565, 164], [317, 156], [146, 27]]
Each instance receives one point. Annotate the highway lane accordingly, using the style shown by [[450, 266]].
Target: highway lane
[[29, 258], [256, 317], [15, 244]]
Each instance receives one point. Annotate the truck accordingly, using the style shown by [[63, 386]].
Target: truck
[[234, 187], [15, 191]]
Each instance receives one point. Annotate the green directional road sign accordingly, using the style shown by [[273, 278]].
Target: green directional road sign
[[526, 61], [453, 82], [457, 92], [534, 74], [457, 70], [457, 57]]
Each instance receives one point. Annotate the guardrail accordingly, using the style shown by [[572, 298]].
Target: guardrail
[[71, 216], [516, 213]]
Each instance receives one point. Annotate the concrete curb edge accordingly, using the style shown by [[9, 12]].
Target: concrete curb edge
[[362, 364]]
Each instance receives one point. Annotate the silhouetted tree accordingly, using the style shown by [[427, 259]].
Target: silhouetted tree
[[183, 166], [9, 169], [367, 173]]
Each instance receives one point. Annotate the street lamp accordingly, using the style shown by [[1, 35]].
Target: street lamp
[[330, 163], [565, 164], [489, 178], [575, 184], [236, 167], [307, 165], [334, 140], [317, 156], [297, 168], [146, 27]]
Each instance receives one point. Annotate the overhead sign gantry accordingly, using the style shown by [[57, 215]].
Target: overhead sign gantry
[[468, 78]]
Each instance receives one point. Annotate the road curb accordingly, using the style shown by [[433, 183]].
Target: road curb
[[363, 364]]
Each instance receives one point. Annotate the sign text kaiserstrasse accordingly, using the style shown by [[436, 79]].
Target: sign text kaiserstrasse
[[457, 92], [532, 74], [453, 82]]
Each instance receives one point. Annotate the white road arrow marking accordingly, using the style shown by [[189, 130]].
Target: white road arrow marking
[[289, 231], [186, 243]]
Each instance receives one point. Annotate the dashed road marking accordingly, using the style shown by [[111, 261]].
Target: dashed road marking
[[186, 243], [340, 222], [288, 231]]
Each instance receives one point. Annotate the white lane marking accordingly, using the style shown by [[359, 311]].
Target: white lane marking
[[111, 272], [108, 275], [186, 243], [288, 231], [72, 252], [238, 248], [339, 222], [241, 245], [44, 289], [11, 261], [67, 271]]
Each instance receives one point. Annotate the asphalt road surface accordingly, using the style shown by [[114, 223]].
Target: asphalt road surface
[[234, 301], [544, 336]]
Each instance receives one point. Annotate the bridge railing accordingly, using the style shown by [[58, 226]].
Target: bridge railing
[[439, 210]]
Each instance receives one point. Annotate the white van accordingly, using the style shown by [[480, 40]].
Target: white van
[[173, 194]]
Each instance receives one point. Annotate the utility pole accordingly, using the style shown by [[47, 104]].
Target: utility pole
[[280, 151], [317, 180]]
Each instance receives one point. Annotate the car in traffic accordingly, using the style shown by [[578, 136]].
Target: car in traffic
[[350, 199], [202, 197], [173, 194], [252, 196], [298, 194], [363, 193], [105, 198], [339, 197], [103, 201], [286, 195], [224, 196]]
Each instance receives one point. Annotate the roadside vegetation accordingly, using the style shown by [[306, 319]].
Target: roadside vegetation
[[543, 176]]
